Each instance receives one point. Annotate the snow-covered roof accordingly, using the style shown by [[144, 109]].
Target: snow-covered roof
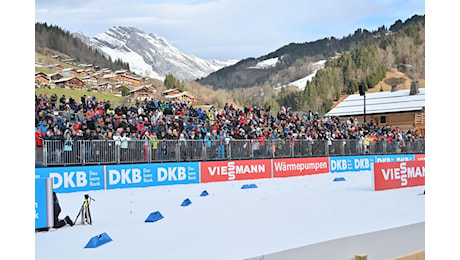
[[66, 79], [120, 71], [380, 103], [108, 76], [185, 93], [171, 90], [142, 87], [131, 77]]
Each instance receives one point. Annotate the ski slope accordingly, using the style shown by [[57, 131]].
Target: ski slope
[[229, 223]]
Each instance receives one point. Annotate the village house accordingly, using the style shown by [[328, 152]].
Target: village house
[[125, 79], [87, 66], [108, 77], [122, 72], [81, 72], [72, 83], [57, 67], [142, 93], [97, 75], [404, 109], [103, 87], [180, 96], [152, 87], [173, 91], [41, 74], [69, 72], [55, 76], [69, 61], [41, 79], [105, 71], [90, 71], [89, 81]]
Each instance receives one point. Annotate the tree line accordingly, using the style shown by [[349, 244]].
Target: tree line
[[365, 64], [241, 75]]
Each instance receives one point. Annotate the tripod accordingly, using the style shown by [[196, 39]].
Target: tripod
[[84, 211]]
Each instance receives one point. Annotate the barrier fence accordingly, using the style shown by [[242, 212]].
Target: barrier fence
[[96, 152]]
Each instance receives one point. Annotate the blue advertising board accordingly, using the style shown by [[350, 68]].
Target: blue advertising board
[[43, 203], [394, 158], [71, 179], [144, 175], [351, 163]]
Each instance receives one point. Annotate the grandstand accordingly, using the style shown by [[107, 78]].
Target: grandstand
[[79, 133]]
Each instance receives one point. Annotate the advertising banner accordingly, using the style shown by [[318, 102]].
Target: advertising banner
[[394, 158], [43, 203], [392, 175], [300, 166], [420, 157], [144, 175], [235, 170], [71, 179], [351, 163]]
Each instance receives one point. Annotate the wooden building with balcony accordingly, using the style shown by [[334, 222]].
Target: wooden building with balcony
[[404, 109]]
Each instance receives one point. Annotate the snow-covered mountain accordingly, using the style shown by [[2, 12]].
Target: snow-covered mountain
[[151, 55]]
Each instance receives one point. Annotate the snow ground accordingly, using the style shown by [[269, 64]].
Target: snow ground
[[301, 83], [230, 223], [266, 64]]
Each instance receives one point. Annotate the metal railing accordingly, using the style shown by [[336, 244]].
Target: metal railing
[[90, 152]]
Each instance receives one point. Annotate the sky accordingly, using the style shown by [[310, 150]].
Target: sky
[[228, 29]]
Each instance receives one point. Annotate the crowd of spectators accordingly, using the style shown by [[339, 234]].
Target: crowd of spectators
[[68, 119]]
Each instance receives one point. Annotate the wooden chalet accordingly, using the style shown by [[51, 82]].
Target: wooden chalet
[[69, 71], [404, 109], [126, 79], [41, 74], [90, 71], [103, 87], [55, 76], [87, 66], [183, 96], [123, 72], [105, 71], [69, 61], [90, 80], [109, 76], [142, 93], [170, 92], [81, 72], [72, 82], [57, 67], [41, 79]]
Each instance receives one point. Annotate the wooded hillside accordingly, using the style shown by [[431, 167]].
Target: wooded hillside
[[51, 39]]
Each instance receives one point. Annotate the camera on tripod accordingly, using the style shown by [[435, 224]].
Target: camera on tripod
[[85, 212], [88, 197]]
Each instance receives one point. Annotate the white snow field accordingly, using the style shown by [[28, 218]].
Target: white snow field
[[229, 223]]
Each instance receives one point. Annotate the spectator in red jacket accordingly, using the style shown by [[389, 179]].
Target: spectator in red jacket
[[39, 137]]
